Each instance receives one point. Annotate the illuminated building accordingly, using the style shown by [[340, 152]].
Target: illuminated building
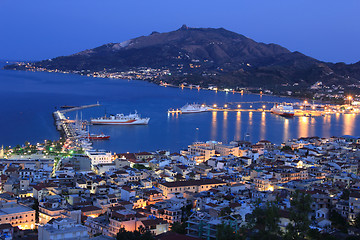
[[17, 215]]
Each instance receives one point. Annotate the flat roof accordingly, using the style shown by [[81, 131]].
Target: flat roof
[[192, 183]]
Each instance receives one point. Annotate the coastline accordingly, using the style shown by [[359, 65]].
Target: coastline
[[159, 83]]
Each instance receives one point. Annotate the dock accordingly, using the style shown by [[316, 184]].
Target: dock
[[79, 108], [66, 126]]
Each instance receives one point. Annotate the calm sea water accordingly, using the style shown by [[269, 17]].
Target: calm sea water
[[27, 100]]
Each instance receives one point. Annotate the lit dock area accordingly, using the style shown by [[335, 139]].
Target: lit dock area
[[66, 126]]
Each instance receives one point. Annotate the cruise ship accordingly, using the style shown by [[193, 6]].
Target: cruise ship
[[194, 108], [283, 110], [121, 119]]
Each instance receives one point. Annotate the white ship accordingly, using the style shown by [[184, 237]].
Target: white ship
[[121, 119], [283, 110], [194, 108]]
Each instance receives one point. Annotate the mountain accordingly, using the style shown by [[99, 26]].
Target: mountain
[[205, 56]]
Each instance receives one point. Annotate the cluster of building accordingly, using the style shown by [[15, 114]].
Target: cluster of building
[[94, 195], [140, 73]]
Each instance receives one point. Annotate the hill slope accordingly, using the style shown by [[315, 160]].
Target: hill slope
[[206, 56]]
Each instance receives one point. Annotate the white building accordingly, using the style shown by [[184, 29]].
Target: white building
[[64, 228], [99, 157]]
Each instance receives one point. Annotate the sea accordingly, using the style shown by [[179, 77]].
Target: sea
[[27, 100]]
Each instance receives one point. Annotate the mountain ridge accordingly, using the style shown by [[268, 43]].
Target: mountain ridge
[[207, 56]]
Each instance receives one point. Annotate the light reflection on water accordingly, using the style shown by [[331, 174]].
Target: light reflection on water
[[238, 126], [213, 125], [261, 126], [349, 124], [303, 126], [225, 127]]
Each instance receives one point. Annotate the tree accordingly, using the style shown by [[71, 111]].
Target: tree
[[179, 227], [140, 166], [136, 235], [286, 148], [227, 232], [265, 220], [337, 221], [299, 216]]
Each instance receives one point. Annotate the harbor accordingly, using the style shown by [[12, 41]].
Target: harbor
[[73, 131], [300, 109]]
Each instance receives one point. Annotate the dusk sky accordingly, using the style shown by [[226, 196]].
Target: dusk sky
[[328, 30]]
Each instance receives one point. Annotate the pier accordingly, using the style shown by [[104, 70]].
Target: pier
[[66, 126], [79, 108]]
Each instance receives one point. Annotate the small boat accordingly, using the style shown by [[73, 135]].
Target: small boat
[[283, 110], [98, 136], [194, 108]]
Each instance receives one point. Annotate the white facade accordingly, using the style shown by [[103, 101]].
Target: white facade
[[65, 228], [99, 157]]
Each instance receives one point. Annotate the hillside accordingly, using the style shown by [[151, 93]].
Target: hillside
[[205, 56]]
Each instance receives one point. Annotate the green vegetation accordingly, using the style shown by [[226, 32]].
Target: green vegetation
[[286, 148], [338, 222], [264, 222], [299, 226], [225, 232], [140, 234], [140, 166], [180, 227]]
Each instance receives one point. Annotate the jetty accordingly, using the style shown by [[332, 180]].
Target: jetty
[[66, 126]]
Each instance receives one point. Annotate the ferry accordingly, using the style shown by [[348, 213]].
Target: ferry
[[194, 108], [283, 110], [121, 119]]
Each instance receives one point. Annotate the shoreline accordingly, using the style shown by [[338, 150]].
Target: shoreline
[[244, 90]]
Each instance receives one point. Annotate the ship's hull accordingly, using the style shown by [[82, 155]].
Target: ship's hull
[[99, 137], [284, 114], [193, 111], [119, 122]]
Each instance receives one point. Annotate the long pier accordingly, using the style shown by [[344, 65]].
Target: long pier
[[79, 108], [65, 126]]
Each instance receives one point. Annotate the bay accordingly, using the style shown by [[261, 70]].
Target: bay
[[27, 100]]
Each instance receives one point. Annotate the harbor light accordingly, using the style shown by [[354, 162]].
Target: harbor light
[[264, 106], [305, 102], [250, 106], [225, 105], [214, 105], [239, 106]]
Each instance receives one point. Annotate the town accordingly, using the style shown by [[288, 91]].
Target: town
[[49, 191]]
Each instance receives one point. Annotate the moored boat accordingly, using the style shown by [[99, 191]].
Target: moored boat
[[98, 136], [283, 110], [121, 119], [194, 108]]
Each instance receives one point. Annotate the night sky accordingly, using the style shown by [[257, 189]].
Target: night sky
[[328, 30]]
